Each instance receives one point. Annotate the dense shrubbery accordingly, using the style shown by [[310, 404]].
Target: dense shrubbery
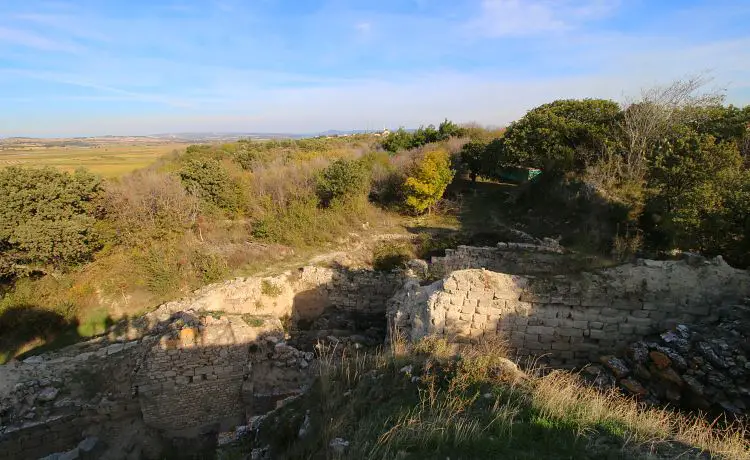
[[561, 136], [148, 204], [405, 140], [676, 161], [343, 180], [208, 179], [48, 219]]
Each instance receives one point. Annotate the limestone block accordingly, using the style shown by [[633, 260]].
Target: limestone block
[[597, 334], [593, 301], [639, 321], [569, 332], [452, 315]]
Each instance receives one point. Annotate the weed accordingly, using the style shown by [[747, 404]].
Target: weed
[[252, 320], [270, 289], [389, 255]]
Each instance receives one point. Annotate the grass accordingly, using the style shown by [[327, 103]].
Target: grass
[[253, 321], [270, 289], [424, 402], [108, 160]]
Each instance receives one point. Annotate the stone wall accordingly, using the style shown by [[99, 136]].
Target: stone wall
[[512, 258], [568, 319], [195, 365], [57, 402], [307, 291], [204, 379]]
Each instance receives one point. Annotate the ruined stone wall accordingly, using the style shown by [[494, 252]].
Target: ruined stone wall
[[570, 319], [36, 440], [512, 258], [184, 390], [58, 401], [361, 290]]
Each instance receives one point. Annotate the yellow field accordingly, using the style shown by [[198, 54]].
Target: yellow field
[[108, 160]]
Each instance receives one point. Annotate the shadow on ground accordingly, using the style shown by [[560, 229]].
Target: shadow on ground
[[27, 330]]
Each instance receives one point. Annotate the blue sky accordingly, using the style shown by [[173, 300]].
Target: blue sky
[[89, 67]]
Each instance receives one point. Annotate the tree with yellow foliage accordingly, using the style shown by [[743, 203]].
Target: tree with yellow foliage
[[426, 180]]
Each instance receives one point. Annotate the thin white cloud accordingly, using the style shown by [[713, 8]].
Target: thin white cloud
[[503, 18], [75, 80], [35, 41], [67, 24]]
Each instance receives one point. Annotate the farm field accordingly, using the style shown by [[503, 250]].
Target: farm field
[[109, 159]]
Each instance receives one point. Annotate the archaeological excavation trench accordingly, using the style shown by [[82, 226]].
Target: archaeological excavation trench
[[235, 350]]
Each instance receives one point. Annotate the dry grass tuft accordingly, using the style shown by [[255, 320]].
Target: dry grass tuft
[[564, 396]]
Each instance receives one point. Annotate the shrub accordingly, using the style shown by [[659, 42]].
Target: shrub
[[164, 270], [472, 156], [688, 183], [269, 289], [343, 180], [47, 219], [253, 321], [426, 181], [209, 267], [209, 180], [389, 255], [404, 140], [148, 204], [564, 135]]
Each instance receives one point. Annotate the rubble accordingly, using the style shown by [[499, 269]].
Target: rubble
[[701, 367]]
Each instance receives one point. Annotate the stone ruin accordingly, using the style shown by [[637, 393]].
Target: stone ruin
[[190, 369], [234, 351]]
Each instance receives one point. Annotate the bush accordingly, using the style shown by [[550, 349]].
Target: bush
[[269, 289], [343, 180], [427, 180], [148, 204], [404, 140], [209, 267], [564, 135], [692, 181], [209, 180], [389, 255], [47, 219], [473, 157]]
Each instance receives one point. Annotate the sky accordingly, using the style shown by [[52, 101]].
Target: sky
[[129, 67]]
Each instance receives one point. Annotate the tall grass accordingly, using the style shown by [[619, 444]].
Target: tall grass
[[431, 400]]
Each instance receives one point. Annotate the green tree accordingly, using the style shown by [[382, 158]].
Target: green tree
[[564, 135], [448, 129], [343, 180], [397, 140], [47, 219], [687, 183], [426, 181], [473, 156]]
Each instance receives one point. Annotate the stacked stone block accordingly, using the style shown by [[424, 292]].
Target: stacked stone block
[[568, 320], [515, 258]]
